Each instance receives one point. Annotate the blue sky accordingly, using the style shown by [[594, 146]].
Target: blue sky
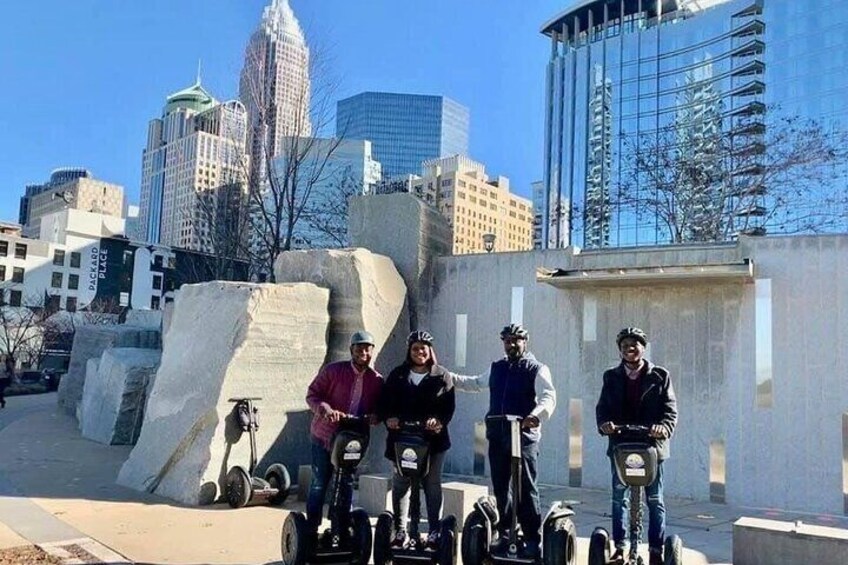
[[82, 78]]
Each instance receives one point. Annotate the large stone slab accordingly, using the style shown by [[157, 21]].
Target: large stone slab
[[114, 396], [763, 542], [419, 234], [145, 319], [366, 292], [229, 340], [90, 341]]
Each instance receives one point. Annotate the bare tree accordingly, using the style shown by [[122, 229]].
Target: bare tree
[[20, 332], [327, 213], [288, 159], [221, 214], [783, 175]]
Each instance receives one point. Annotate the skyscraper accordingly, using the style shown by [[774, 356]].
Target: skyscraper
[[193, 163], [664, 119], [404, 129], [275, 85]]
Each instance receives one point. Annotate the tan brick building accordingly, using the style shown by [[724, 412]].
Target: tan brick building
[[475, 205], [85, 193]]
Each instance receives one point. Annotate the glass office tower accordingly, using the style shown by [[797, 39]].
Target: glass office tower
[[404, 129], [644, 95]]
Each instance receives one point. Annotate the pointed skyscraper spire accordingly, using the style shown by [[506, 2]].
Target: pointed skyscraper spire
[[199, 61]]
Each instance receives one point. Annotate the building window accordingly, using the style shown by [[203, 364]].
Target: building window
[[154, 302], [20, 250], [17, 274], [75, 259], [2, 273], [53, 303], [157, 261], [15, 298], [447, 182], [4, 248], [71, 303], [56, 280], [73, 282], [59, 257], [157, 282]]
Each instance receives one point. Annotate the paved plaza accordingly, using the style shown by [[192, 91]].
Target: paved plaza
[[58, 490]]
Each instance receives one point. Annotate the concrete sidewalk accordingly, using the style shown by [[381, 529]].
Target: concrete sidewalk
[[56, 487]]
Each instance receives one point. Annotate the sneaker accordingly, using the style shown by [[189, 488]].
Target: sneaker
[[399, 540], [433, 540]]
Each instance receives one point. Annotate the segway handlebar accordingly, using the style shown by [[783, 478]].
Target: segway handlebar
[[243, 398], [504, 418], [634, 430]]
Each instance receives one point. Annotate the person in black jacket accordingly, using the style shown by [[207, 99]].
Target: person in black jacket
[[637, 392], [419, 390]]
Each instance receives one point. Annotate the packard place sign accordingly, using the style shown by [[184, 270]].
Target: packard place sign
[[97, 260]]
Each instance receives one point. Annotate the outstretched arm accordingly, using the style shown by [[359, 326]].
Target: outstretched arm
[[469, 383]]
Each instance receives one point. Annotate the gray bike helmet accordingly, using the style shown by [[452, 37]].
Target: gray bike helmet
[[635, 333], [361, 337], [419, 336], [514, 330]]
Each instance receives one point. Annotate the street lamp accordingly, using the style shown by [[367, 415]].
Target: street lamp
[[489, 242]]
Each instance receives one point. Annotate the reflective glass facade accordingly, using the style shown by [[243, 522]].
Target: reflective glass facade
[[404, 129], [643, 95]]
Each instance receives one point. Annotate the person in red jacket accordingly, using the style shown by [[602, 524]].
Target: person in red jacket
[[342, 388]]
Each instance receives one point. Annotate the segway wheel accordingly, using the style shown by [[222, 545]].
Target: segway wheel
[[475, 539], [673, 551], [560, 543], [278, 477], [295, 539], [362, 540], [447, 542], [238, 488], [383, 534], [599, 547]]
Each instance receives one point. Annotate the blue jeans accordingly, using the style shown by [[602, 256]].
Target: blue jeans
[[621, 508], [322, 472], [529, 507]]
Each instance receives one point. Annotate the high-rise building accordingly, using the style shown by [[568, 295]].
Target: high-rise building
[[57, 177], [275, 85], [195, 160], [74, 189], [477, 208], [552, 232], [330, 172], [404, 129], [661, 115]]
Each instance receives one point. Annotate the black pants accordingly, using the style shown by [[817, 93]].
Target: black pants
[[3, 392], [529, 509]]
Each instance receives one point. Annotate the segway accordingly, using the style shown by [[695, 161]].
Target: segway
[[559, 536], [636, 465], [348, 539], [412, 460], [242, 487]]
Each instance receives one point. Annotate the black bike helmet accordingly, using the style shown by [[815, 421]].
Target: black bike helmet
[[419, 336], [635, 333], [514, 330]]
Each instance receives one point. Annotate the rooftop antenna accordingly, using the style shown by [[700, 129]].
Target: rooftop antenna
[[199, 61]]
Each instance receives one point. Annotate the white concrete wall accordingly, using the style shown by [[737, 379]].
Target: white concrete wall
[[788, 455]]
